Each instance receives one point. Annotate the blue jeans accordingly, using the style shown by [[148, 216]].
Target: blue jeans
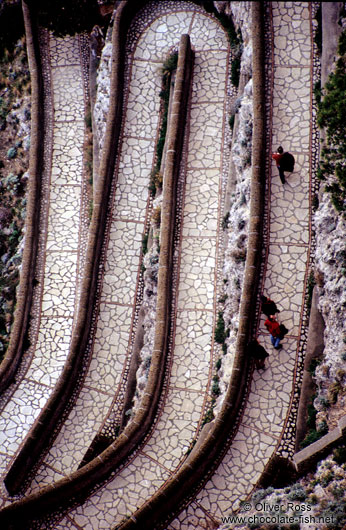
[[275, 341]]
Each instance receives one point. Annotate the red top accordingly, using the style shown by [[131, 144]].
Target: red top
[[273, 327], [277, 157]]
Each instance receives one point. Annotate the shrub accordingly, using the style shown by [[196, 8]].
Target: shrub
[[220, 334], [318, 34], [332, 116], [259, 495], [313, 436], [145, 238], [339, 455], [333, 391], [156, 216], [297, 493], [156, 181], [225, 221], [313, 365], [235, 71], [66, 17], [215, 389], [170, 64], [11, 153]]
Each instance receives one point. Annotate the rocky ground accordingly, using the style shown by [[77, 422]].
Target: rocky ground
[[14, 159]]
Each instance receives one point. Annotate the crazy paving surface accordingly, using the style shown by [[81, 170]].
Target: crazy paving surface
[[289, 94], [267, 423], [62, 244], [197, 274]]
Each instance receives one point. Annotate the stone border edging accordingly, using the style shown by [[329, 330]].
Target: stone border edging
[[41, 432], [78, 484], [314, 350], [169, 500], [20, 325]]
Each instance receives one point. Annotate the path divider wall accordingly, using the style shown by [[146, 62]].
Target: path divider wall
[[20, 325], [168, 502], [78, 485]]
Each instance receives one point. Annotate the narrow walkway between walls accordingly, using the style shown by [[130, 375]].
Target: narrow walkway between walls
[[64, 227]]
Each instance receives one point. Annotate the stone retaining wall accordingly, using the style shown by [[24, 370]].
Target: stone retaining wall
[[170, 500], [20, 326], [306, 459], [77, 485]]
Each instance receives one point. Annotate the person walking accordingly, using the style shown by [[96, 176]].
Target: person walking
[[273, 327], [277, 156], [268, 306], [284, 162], [258, 353]]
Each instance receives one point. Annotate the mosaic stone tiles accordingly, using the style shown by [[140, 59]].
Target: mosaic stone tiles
[[187, 389], [60, 267]]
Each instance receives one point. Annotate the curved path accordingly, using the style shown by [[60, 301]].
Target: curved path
[[62, 246], [267, 424], [196, 291]]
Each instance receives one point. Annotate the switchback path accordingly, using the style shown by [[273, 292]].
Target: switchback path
[[267, 423], [64, 226]]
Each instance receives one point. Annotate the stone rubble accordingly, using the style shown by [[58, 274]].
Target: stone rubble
[[239, 212], [330, 272]]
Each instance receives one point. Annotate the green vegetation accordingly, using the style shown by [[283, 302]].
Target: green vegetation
[[225, 221], [220, 333], [14, 85], [66, 17], [314, 435], [145, 238], [156, 217], [332, 117], [168, 67], [339, 455], [313, 365], [215, 389], [318, 34], [11, 27], [88, 156]]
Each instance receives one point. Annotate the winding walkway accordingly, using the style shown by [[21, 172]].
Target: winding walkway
[[267, 423], [62, 248]]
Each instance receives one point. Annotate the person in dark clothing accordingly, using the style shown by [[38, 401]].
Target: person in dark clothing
[[268, 306], [284, 162], [277, 157], [258, 353]]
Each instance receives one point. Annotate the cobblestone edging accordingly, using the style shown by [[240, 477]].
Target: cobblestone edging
[[79, 483], [182, 487], [287, 444], [19, 330], [57, 238]]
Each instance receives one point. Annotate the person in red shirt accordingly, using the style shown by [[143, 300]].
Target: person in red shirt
[[277, 157], [273, 327]]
